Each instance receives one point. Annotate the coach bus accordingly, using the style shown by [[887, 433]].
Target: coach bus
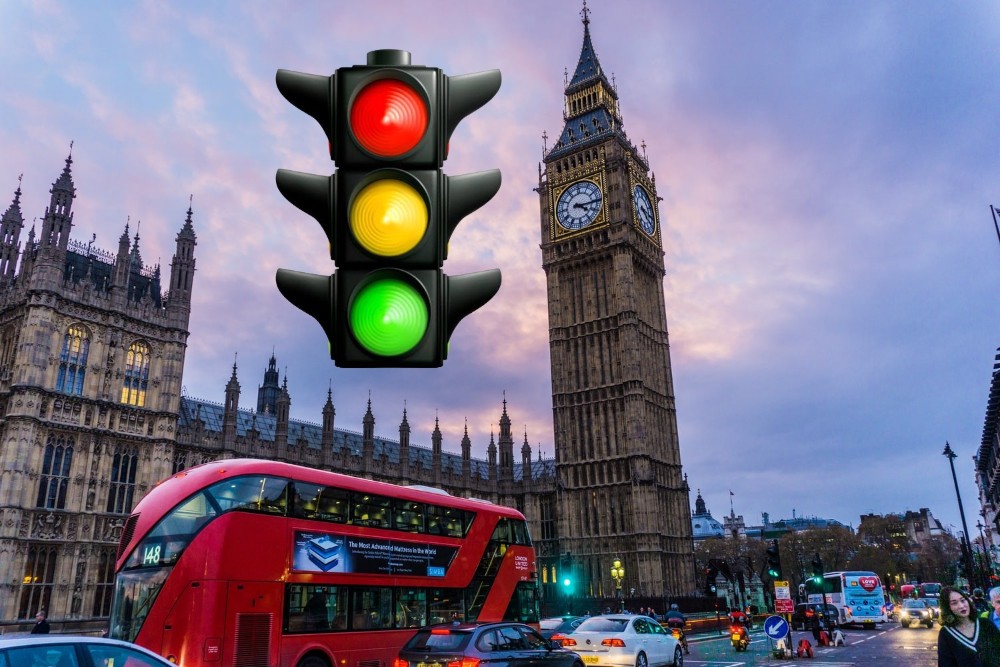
[[250, 563], [857, 595]]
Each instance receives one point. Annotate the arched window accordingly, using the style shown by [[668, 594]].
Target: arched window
[[54, 479], [136, 374], [122, 481], [73, 360]]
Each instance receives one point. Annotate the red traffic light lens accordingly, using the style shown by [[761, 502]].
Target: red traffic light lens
[[388, 118]]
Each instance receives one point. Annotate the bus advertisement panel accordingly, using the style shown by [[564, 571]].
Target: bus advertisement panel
[[857, 595], [244, 563]]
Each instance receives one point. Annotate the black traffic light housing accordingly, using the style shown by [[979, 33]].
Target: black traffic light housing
[[388, 211], [774, 561], [817, 569]]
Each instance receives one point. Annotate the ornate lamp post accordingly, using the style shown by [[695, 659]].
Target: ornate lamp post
[[618, 573], [961, 511]]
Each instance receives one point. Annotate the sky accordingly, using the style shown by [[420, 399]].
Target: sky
[[826, 172]]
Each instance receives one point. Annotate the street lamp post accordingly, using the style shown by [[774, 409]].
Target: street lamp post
[[618, 573], [961, 510]]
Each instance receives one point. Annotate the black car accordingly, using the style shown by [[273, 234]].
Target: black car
[[802, 617], [501, 644], [563, 624], [915, 612]]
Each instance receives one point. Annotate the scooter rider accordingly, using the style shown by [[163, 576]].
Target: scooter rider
[[675, 619]]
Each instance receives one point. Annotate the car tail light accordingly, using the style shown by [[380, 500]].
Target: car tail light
[[614, 642], [564, 640], [464, 662], [399, 662]]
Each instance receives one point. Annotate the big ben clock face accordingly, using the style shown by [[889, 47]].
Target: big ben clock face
[[644, 209], [579, 205]]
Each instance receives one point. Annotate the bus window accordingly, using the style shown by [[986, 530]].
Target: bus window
[[411, 608], [252, 494], [371, 510], [315, 608], [408, 515], [322, 503], [448, 521], [372, 608], [445, 605], [520, 530], [502, 533]]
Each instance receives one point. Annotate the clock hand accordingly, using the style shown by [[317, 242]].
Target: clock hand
[[583, 204]]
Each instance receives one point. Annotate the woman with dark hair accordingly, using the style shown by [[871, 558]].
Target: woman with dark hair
[[965, 639]]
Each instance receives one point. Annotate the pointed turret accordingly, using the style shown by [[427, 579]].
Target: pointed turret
[[282, 410], [466, 452], [491, 456], [525, 458], [368, 436], [329, 413], [267, 393], [10, 231], [404, 447], [436, 452], [59, 215], [591, 112], [182, 267], [230, 410], [506, 445]]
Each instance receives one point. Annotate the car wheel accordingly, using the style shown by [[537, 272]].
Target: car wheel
[[641, 661], [678, 657]]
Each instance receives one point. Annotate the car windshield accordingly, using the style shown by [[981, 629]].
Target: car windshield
[[603, 625], [914, 604], [550, 623]]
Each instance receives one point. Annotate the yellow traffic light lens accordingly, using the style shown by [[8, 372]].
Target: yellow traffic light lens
[[388, 317], [388, 217]]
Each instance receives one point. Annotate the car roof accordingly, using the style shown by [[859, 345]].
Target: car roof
[[36, 640]]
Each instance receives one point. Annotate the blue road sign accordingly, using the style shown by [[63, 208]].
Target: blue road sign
[[775, 627]]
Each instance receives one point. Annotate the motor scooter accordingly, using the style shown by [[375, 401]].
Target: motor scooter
[[677, 630], [739, 636]]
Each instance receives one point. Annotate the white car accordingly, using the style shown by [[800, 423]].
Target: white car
[[76, 651], [623, 640]]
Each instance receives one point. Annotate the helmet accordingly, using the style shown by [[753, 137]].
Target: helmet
[[673, 607], [978, 593]]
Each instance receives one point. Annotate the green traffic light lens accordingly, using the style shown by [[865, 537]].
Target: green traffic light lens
[[388, 317]]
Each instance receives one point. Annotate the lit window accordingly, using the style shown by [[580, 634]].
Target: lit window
[[136, 374]]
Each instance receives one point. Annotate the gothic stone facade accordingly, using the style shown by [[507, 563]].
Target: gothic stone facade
[[91, 358], [91, 417], [622, 493]]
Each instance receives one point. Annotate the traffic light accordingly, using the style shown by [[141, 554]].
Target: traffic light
[[773, 561], [817, 569], [566, 573], [388, 211]]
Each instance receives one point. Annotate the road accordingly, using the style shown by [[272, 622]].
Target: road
[[886, 647]]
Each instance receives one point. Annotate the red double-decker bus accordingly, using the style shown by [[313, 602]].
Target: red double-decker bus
[[249, 563]]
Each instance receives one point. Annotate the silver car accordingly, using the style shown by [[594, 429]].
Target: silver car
[[623, 640], [75, 651]]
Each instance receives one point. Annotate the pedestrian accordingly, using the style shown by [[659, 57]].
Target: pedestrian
[[41, 624], [965, 639], [994, 614]]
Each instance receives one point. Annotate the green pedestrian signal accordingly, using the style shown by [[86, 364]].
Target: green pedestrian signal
[[388, 211]]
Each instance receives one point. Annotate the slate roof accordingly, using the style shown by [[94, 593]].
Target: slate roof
[[311, 434]]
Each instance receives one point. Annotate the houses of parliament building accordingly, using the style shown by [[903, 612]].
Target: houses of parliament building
[[92, 347]]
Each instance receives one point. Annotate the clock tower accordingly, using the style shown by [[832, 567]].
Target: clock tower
[[622, 494]]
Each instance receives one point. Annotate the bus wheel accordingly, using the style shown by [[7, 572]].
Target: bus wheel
[[313, 660]]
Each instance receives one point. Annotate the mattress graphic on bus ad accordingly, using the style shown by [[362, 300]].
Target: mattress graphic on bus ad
[[331, 552]]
